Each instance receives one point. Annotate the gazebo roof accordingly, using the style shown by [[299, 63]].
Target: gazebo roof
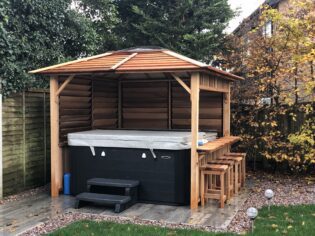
[[133, 60]]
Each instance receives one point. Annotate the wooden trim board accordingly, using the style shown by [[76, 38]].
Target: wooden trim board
[[69, 62], [114, 67], [226, 112]]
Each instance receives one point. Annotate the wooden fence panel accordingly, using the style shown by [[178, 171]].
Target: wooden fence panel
[[25, 141]]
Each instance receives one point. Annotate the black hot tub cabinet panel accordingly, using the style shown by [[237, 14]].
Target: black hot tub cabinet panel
[[164, 179]]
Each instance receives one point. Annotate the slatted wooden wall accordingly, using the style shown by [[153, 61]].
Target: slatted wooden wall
[[210, 112], [94, 104], [145, 105], [75, 107], [105, 104], [26, 141]]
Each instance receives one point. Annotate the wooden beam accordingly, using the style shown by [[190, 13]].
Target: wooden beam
[[54, 136], [212, 89], [114, 67], [226, 112], [194, 178], [64, 84], [182, 83], [119, 104]]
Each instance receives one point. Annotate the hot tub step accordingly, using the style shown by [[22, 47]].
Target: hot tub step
[[119, 183], [120, 202]]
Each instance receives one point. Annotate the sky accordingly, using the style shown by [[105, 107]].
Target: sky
[[246, 7]]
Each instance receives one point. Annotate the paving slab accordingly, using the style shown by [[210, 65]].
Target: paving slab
[[20, 215]]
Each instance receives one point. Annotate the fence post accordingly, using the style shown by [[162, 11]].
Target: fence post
[[24, 141], [1, 172], [45, 139]]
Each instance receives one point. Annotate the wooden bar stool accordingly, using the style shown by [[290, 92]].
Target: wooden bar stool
[[237, 171], [230, 183], [208, 190], [243, 166]]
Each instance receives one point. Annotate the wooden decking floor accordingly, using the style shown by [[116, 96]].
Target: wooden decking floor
[[21, 215]]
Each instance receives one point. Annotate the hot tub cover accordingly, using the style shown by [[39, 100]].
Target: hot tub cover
[[169, 140]]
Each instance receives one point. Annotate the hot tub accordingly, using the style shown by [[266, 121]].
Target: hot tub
[[160, 160]]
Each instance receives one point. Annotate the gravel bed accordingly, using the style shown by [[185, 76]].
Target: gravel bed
[[67, 218], [24, 194], [289, 190]]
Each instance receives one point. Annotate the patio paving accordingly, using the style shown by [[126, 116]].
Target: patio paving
[[18, 216]]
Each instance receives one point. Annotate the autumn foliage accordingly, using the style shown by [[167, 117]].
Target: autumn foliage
[[274, 110]]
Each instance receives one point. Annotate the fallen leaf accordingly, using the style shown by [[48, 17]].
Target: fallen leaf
[[274, 226]]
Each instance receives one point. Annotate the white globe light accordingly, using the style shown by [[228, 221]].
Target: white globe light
[[252, 213], [269, 194]]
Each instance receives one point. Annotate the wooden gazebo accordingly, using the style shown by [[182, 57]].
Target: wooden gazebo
[[138, 88]]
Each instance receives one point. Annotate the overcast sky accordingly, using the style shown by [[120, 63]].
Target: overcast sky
[[246, 7]]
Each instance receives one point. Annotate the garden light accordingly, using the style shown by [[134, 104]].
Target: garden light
[[269, 195], [252, 214]]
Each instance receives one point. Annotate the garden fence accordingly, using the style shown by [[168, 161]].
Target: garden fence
[[26, 141]]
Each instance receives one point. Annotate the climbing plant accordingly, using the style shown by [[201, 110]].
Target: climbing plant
[[37, 33]]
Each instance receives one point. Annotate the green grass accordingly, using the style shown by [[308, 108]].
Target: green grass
[[295, 220], [281, 220]]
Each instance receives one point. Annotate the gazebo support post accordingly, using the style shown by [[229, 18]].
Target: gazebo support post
[[56, 162], [194, 172], [226, 112]]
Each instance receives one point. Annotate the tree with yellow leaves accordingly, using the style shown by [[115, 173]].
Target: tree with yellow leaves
[[275, 111]]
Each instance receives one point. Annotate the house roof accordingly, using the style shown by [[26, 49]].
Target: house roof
[[133, 60], [271, 3]]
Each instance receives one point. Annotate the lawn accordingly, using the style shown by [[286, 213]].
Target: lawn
[[295, 220], [281, 220]]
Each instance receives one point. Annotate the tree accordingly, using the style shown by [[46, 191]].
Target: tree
[[37, 33], [103, 17], [7, 66], [279, 86], [192, 27]]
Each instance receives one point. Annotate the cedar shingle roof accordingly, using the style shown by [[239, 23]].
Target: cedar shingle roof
[[132, 60]]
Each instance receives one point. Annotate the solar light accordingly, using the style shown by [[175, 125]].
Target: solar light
[[269, 195], [252, 214]]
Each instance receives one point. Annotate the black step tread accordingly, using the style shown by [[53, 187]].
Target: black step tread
[[121, 183], [103, 198]]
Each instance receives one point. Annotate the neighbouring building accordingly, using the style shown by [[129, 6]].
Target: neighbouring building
[[268, 30]]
